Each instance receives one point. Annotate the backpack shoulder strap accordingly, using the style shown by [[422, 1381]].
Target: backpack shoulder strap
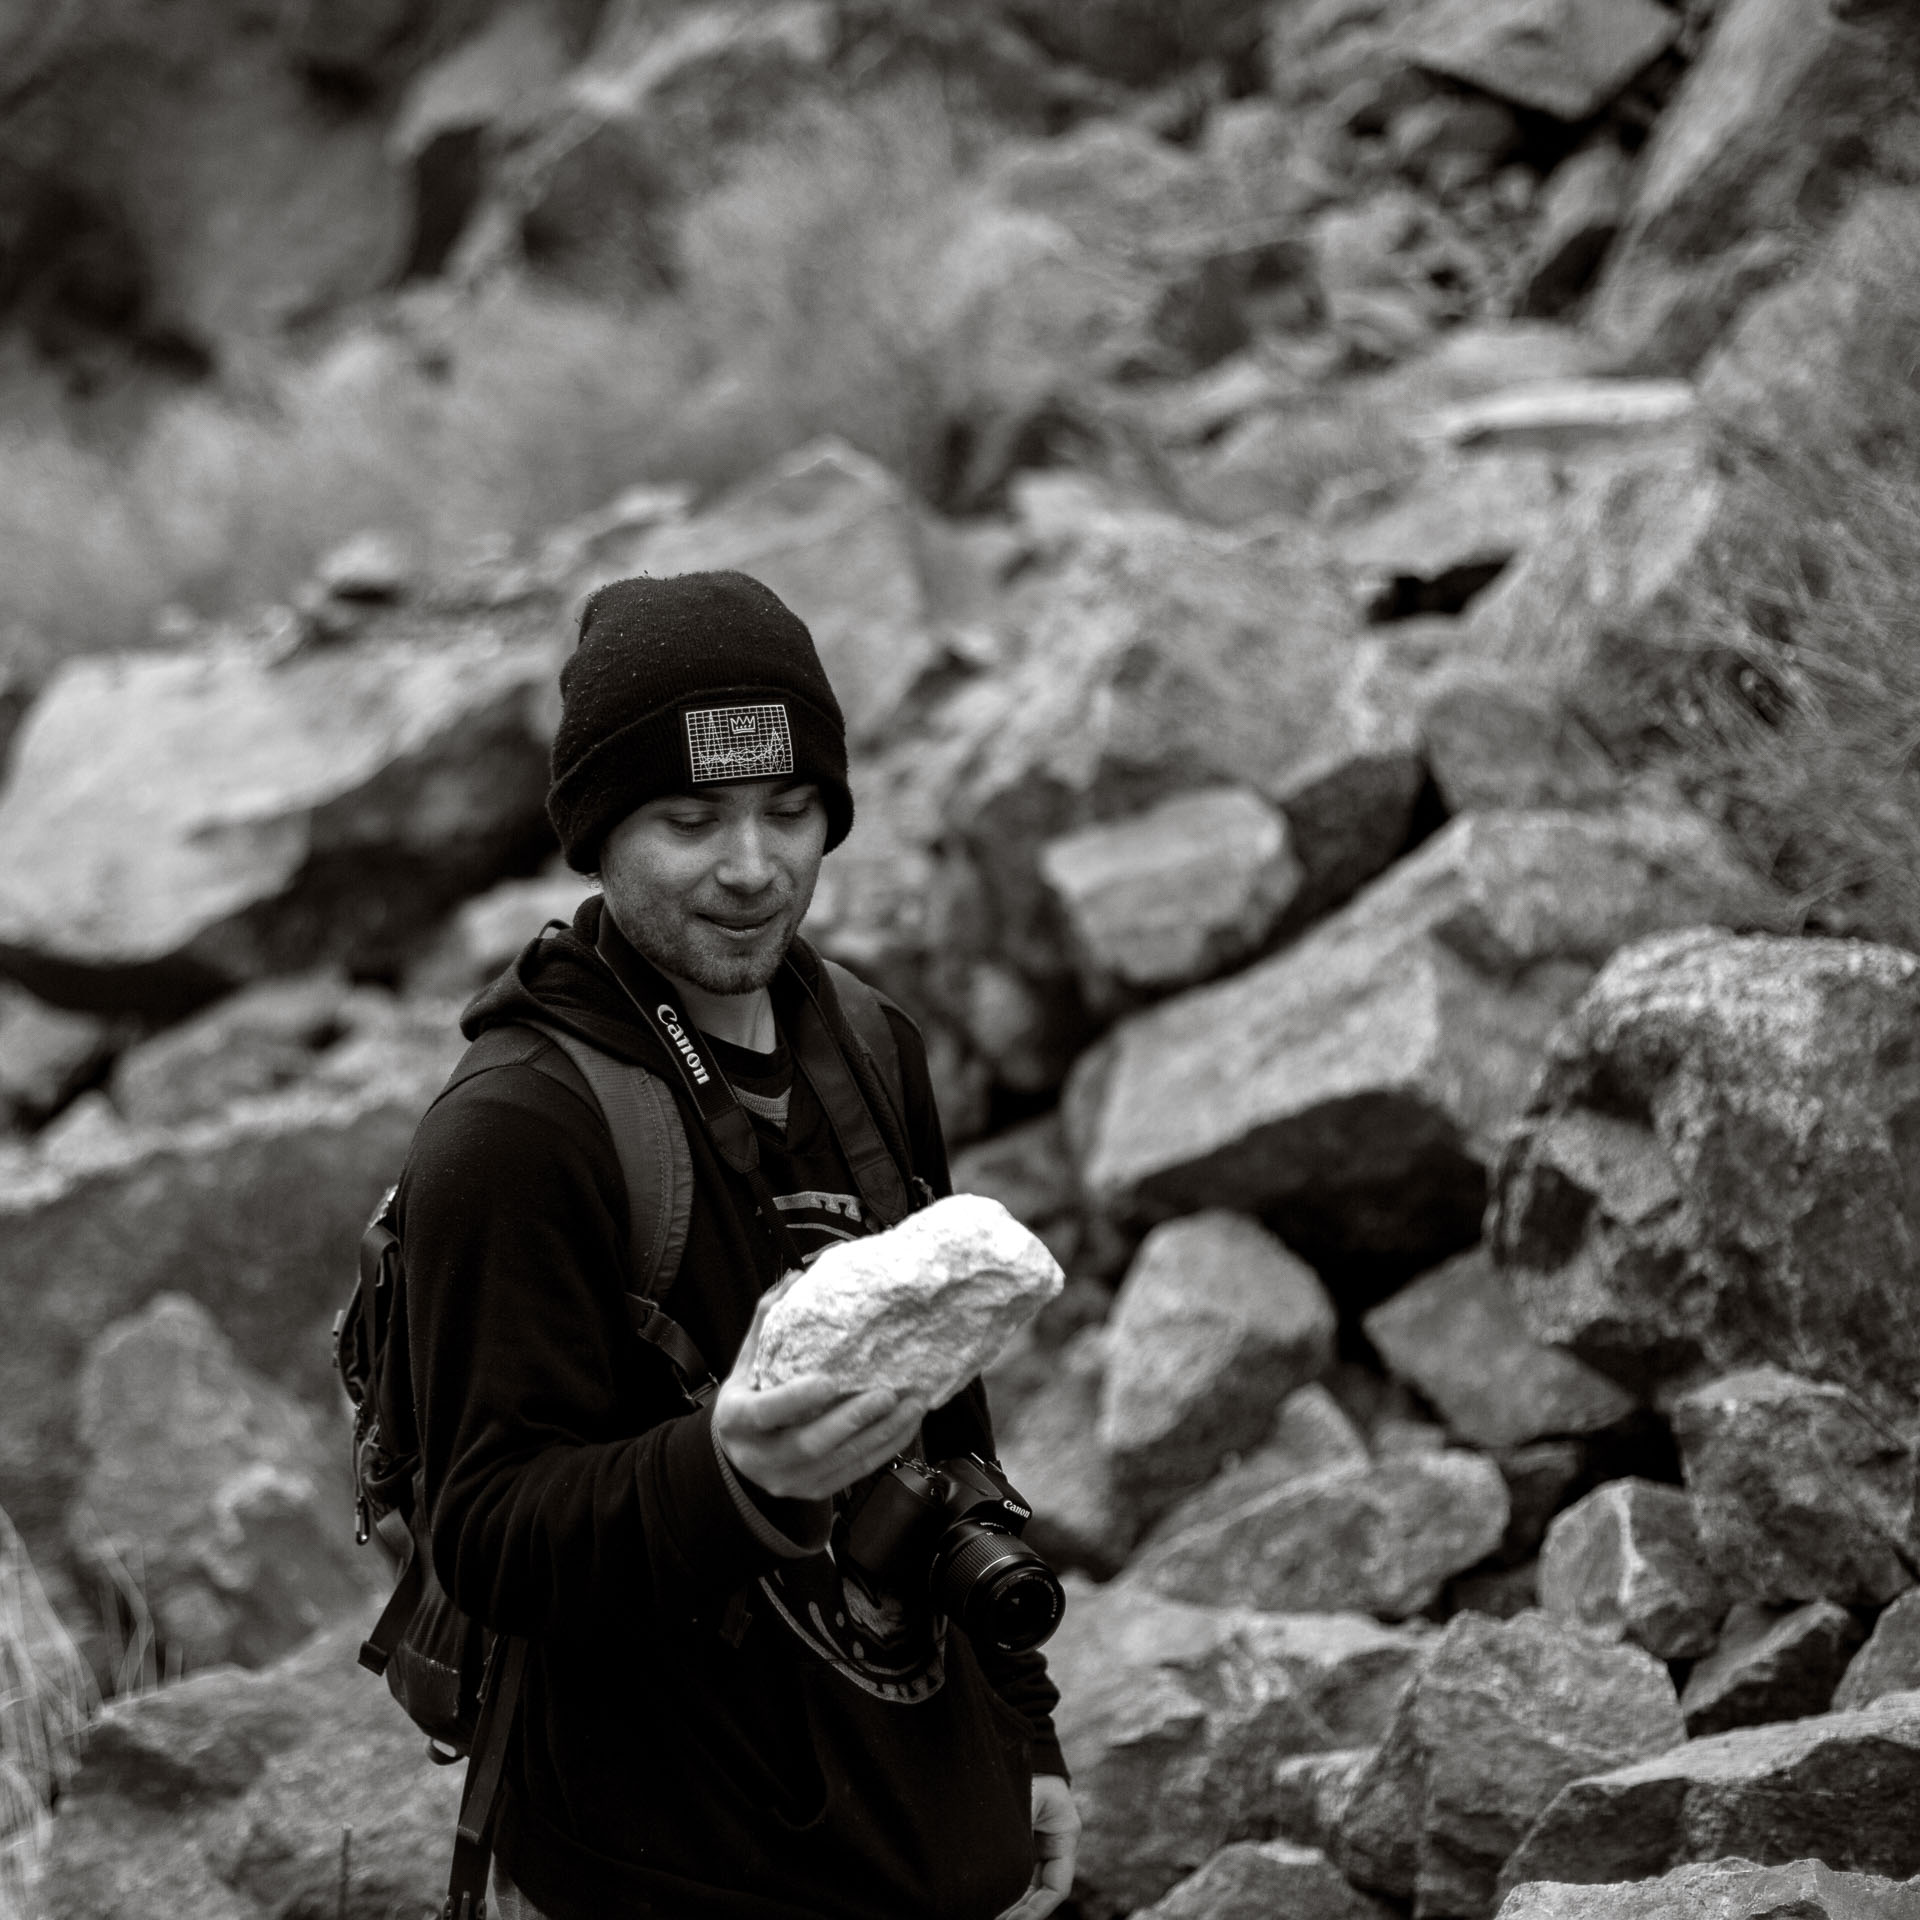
[[867, 1015]]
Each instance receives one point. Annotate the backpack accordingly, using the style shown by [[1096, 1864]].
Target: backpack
[[457, 1681]]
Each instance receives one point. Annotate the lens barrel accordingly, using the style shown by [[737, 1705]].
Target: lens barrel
[[996, 1587]]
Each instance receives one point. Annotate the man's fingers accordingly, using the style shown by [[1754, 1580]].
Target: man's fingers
[[793, 1403]]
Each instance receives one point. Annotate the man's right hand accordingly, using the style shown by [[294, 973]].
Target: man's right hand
[[807, 1438]]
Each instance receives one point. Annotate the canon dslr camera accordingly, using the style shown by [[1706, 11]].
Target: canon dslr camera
[[957, 1526]]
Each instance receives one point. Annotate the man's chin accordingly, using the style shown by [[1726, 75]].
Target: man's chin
[[726, 969]]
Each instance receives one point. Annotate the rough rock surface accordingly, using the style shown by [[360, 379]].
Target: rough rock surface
[[1493, 739], [1172, 1718], [1790, 103], [1799, 1493], [1889, 1662], [1719, 1889], [833, 533], [1185, 890], [1711, 1171], [1626, 1563], [1030, 1172], [1254, 1880], [1214, 1325], [1769, 1666], [251, 1212], [1457, 1337], [922, 1307], [46, 1055], [1567, 58], [217, 816], [1502, 1715], [1838, 1787], [1084, 1515], [1353, 1087], [1383, 1537], [224, 1797], [222, 1490], [483, 934]]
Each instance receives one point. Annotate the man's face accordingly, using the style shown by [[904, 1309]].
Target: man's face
[[711, 886]]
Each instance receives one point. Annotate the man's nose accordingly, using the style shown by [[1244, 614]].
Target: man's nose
[[746, 863]]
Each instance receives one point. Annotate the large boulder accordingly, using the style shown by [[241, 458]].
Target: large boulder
[[223, 1491], [1567, 58], [47, 1055], [1161, 657], [226, 1796], [1789, 104], [1456, 1336], [1626, 1562], [176, 822], [1377, 1536], [1837, 1787], [835, 535], [1354, 1087], [1712, 1171], [1501, 1716], [1799, 1492], [1255, 1879], [1214, 1325], [1771, 1665], [1173, 1716], [254, 1212], [1890, 1661], [1806, 1889]]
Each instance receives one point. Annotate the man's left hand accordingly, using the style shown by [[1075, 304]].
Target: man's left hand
[[1056, 1839]]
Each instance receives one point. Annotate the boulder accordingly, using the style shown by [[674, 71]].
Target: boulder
[[1807, 1889], [1711, 1173], [1161, 657], [1172, 1718], [1566, 58], [254, 1212], [1214, 1325], [1539, 1477], [1353, 1088], [1084, 1515], [1500, 1717], [262, 815], [1393, 270], [1788, 104], [485, 933], [225, 1797], [1838, 1787], [1310, 1794], [1167, 898], [1497, 738], [1457, 1337], [1578, 216], [1381, 1537], [46, 1055], [1255, 1879], [220, 1492], [1310, 1433], [1889, 1662], [1770, 1665], [835, 535], [1800, 1493], [922, 1307], [1626, 1563]]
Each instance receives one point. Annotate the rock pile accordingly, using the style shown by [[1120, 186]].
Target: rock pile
[[1480, 1422]]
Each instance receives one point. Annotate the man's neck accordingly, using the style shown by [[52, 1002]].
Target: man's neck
[[744, 1018]]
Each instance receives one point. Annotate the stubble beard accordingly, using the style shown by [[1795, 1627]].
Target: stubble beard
[[677, 949]]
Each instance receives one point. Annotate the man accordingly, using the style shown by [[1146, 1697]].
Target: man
[[719, 1716]]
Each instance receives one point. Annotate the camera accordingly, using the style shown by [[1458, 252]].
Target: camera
[[957, 1527]]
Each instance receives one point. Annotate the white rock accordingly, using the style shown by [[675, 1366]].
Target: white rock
[[922, 1307]]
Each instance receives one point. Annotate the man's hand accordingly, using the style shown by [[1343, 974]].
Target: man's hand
[[806, 1439], [1056, 1840]]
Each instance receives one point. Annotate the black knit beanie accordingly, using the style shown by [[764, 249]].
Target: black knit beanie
[[681, 683]]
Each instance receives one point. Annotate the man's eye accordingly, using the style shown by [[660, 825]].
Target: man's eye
[[682, 824]]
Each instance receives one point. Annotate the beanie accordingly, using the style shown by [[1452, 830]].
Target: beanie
[[680, 683]]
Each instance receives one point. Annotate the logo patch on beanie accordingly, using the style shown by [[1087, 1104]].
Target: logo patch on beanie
[[739, 743]]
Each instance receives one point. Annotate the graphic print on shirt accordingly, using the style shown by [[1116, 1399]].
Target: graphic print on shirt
[[877, 1641], [817, 1220]]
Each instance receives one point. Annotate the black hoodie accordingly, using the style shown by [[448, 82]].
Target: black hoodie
[[710, 1725]]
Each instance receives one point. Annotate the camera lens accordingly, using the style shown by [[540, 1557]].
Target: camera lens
[[996, 1587]]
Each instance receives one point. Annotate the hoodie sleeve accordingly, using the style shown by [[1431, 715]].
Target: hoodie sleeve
[[551, 1503], [964, 1424]]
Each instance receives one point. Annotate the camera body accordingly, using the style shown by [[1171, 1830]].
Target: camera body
[[956, 1528]]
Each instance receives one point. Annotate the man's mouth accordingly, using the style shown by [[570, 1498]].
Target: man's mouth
[[738, 928]]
